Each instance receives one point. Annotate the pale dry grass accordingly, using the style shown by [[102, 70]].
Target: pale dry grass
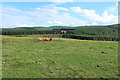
[[66, 39], [6, 38]]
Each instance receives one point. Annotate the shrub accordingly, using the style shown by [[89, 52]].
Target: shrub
[[90, 37]]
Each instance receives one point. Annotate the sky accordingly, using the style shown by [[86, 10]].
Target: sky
[[30, 14]]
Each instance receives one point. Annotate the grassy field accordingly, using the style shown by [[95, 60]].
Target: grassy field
[[24, 57]]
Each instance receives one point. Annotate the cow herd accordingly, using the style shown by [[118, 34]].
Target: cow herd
[[44, 39]]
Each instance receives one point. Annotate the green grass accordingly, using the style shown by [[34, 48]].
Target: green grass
[[60, 59], [13, 37]]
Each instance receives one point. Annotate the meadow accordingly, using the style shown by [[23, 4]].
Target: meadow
[[25, 57]]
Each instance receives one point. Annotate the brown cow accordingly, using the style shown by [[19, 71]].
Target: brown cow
[[44, 39], [47, 39]]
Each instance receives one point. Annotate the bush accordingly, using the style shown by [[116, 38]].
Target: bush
[[90, 37]]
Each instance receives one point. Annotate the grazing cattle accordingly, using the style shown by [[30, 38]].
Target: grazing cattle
[[44, 39], [40, 39], [47, 39]]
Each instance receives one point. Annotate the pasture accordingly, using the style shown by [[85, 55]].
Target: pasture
[[24, 57]]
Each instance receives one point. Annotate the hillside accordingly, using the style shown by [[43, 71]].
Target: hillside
[[111, 30], [61, 58]]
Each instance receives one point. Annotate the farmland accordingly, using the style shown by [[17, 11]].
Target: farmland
[[24, 57]]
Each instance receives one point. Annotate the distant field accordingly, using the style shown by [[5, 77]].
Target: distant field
[[24, 57]]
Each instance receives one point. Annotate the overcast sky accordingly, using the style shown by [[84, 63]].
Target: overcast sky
[[28, 14]]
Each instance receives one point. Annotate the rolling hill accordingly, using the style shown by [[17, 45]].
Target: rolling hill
[[111, 30]]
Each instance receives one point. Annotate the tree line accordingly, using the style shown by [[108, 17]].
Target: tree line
[[91, 37]]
